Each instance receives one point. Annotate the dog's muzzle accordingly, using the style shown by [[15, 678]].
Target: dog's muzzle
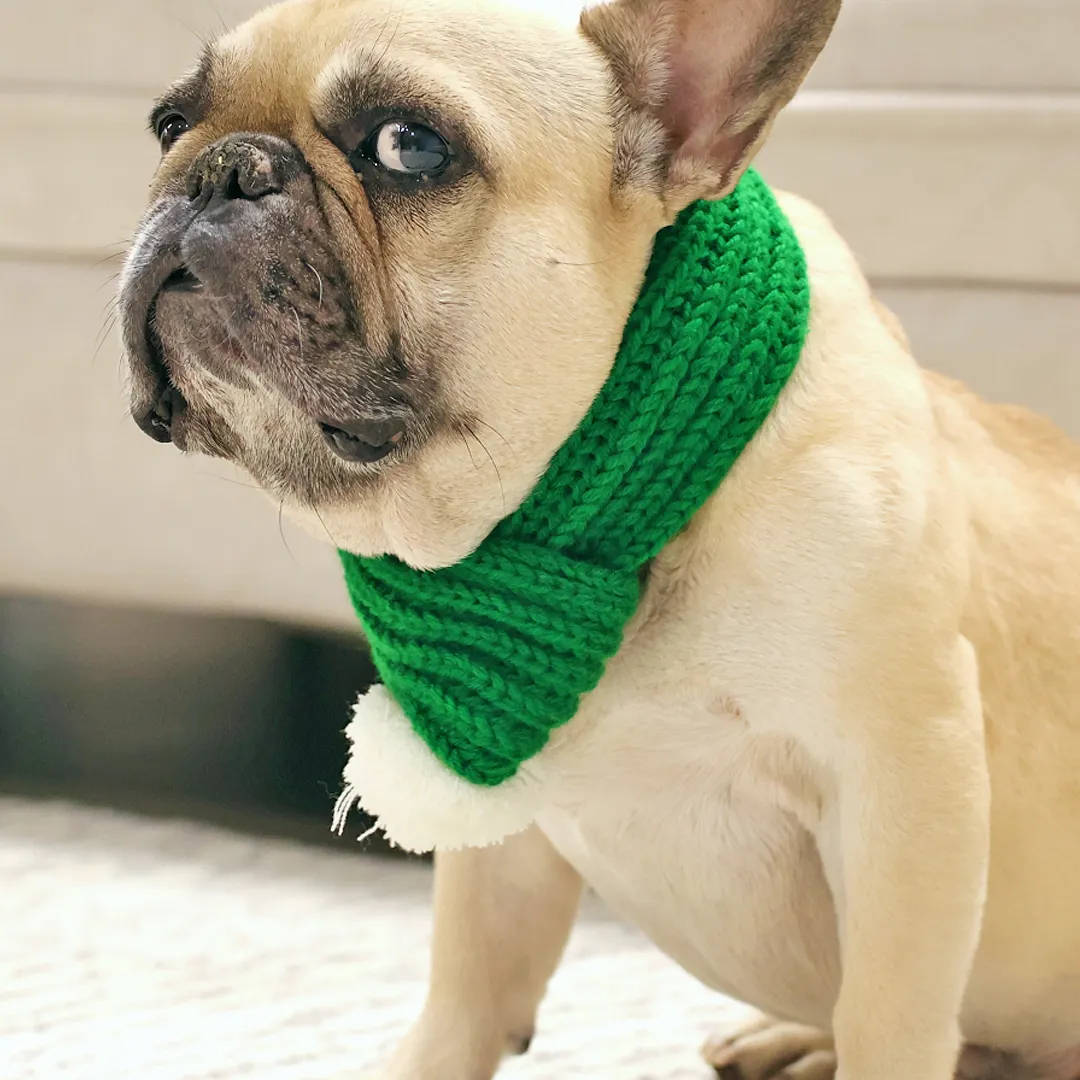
[[235, 255], [187, 248]]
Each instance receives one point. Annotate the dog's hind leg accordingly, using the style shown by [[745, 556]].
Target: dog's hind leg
[[767, 1049]]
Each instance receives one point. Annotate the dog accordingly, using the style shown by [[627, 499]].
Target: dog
[[389, 254]]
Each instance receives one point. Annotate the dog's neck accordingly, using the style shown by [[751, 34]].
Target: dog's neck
[[488, 657]]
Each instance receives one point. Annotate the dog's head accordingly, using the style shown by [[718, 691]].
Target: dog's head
[[392, 244]]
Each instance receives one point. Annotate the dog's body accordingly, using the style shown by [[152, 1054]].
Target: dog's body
[[832, 770], [718, 717], [700, 795]]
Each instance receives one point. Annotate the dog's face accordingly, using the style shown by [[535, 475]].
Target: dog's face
[[392, 244]]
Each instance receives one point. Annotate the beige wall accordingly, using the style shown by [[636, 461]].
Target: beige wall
[[942, 135]]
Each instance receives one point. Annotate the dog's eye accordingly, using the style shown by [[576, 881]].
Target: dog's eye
[[169, 128], [408, 149]]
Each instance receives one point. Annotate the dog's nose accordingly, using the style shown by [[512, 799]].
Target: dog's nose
[[242, 167]]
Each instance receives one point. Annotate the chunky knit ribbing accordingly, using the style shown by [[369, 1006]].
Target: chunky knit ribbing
[[489, 656]]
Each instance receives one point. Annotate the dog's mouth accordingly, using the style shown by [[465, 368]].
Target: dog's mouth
[[364, 442], [359, 441], [158, 403], [159, 417], [180, 280]]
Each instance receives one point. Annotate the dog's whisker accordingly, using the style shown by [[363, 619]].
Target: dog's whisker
[[494, 431], [109, 318], [468, 447], [203, 41], [393, 35], [103, 336], [329, 534], [281, 529], [108, 281], [552, 261], [107, 325], [491, 458], [108, 321], [318, 277], [228, 480], [382, 30], [111, 257]]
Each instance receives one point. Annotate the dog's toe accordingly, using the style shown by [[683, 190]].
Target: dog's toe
[[767, 1049]]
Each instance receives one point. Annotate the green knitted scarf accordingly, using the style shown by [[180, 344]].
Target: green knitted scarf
[[489, 656]]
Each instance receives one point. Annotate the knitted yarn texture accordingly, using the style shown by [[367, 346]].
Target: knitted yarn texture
[[489, 656]]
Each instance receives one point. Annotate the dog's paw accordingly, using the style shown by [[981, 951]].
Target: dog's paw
[[767, 1049]]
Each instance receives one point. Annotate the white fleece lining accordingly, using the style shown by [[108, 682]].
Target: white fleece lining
[[421, 804]]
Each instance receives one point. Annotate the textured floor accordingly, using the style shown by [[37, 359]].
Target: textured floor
[[167, 951]]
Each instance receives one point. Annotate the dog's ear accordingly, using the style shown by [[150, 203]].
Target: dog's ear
[[701, 82]]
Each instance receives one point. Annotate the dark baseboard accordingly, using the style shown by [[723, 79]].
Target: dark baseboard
[[230, 721]]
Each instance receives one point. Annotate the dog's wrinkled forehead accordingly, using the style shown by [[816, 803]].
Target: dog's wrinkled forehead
[[497, 70]]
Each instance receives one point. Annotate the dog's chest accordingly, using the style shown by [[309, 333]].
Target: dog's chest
[[694, 827]]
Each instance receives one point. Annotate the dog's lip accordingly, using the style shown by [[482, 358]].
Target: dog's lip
[[158, 413], [156, 257], [180, 280], [156, 403], [366, 441], [139, 303]]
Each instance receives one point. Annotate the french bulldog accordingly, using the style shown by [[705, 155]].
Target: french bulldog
[[387, 262]]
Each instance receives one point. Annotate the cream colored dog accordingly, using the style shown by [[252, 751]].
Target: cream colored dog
[[834, 770]]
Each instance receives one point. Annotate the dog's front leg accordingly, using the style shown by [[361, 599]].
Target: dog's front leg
[[911, 833], [502, 918]]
